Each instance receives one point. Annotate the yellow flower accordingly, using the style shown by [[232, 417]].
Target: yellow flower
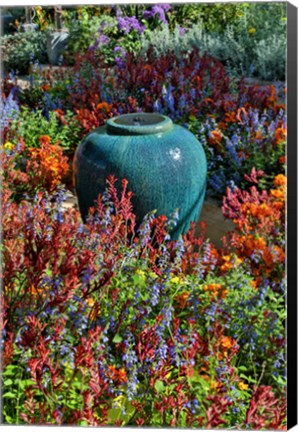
[[152, 275], [251, 30], [243, 386], [141, 273], [175, 280], [8, 145], [238, 261], [119, 400], [90, 302]]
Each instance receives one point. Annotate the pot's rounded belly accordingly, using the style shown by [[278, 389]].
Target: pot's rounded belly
[[165, 172]]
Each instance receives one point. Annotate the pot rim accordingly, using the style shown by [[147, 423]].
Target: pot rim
[[139, 123]]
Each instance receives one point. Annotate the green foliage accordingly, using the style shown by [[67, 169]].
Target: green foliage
[[22, 49], [32, 124], [250, 39], [82, 32]]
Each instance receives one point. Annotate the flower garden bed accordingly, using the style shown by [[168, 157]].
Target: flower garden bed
[[112, 324]]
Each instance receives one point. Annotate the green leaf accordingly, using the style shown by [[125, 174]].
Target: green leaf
[[145, 296], [26, 383], [10, 370], [242, 368], [159, 386], [114, 413], [117, 338], [9, 395], [8, 382]]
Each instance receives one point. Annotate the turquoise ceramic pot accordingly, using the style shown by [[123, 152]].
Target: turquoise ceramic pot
[[165, 166]]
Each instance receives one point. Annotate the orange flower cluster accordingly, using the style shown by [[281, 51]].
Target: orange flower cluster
[[181, 299], [37, 292], [118, 375], [250, 243], [230, 117], [224, 346], [105, 107], [271, 255], [215, 291], [228, 262], [280, 135], [279, 193], [258, 211], [47, 163], [280, 180]]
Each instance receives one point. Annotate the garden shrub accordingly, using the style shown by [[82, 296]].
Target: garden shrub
[[20, 50], [83, 32], [30, 125]]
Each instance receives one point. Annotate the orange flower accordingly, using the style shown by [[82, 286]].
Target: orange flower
[[273, 256], [215, 385], [105, 107], [36, 291], [280, 180], [119, 376], [45, 87], [47, 163], [224, 344], [182, 299], [279, 194], [230, 117], [253, 283], [215, 290], [259, 135], [215, 136], [227, 265], [258, 211], [44, 139], [280, 135], [249, 244], [282, 160]]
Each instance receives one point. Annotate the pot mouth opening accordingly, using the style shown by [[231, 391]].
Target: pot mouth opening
[[139, 123]]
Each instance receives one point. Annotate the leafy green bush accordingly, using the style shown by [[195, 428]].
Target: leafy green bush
[[22, 49], [253, 43], [82, 32], [32, 124]]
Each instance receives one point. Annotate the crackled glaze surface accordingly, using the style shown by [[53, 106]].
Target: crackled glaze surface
[[164, 164]]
